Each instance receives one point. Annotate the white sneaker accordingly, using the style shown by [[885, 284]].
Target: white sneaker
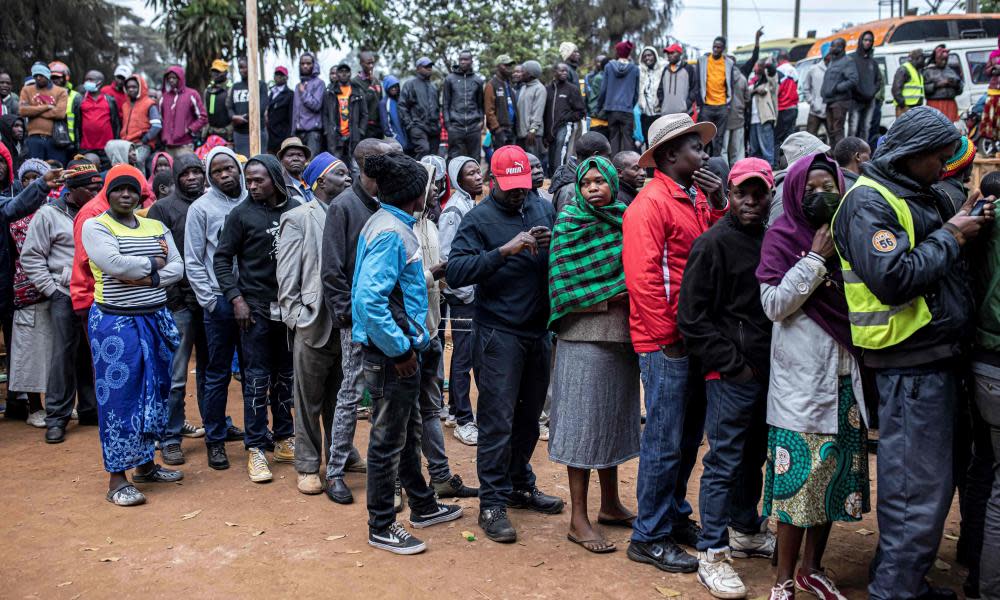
[[759, 545], [37, 419], [74, 416], [715, 572], [543, 432], [468, 434], [451, 421]]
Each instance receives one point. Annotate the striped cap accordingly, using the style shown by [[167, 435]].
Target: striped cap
[[962, 159]]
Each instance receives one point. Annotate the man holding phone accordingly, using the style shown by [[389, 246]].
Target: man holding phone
[[502, 247]]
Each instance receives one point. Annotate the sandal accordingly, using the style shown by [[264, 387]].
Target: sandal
[[597, 546], [626, 522], [158, 475], [125, 495]]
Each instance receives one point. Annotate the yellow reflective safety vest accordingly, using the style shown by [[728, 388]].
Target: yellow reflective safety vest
[[913, 90], [875, 325], [70, 115]]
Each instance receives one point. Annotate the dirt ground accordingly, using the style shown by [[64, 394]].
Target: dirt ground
[[217, 535]]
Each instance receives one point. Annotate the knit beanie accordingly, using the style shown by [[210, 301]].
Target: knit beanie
[[318, 167], [624, 49], [566, 49], [33, 165], [400, 178], [956, 164], [533, 68]]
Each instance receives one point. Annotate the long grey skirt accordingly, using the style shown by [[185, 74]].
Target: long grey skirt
[[595, 405]]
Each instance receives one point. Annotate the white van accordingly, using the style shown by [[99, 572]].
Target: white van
[[967, 57]]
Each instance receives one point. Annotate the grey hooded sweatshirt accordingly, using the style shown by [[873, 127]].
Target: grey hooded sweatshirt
[[201, 234], [459, 204]]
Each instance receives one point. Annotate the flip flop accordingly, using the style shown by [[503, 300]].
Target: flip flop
[[607, 548], [626, 523]]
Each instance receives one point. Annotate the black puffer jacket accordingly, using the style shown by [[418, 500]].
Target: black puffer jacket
[[463, 101], [840, 80], [420, 106], [930, 266]]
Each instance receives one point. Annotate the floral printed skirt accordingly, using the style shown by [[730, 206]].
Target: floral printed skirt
[[132, 355], [812, 478]]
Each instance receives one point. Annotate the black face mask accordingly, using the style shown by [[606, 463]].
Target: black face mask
[[819, 207]]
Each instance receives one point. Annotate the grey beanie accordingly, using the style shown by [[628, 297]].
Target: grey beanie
[[533, 68]]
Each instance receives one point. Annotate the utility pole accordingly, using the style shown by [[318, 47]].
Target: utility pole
[[798, 9], [253, 74], [725, 19], [971, 6]]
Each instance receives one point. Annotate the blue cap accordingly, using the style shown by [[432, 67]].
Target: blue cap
[[423, 61], [319, 167], [41, 69]]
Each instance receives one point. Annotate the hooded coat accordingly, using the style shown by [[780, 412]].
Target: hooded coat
[[181, 111], [649, 83], [930, 265], [13, 208], [459, 205], [357, 116], [202, 228], [388, 112], [620, 87], [141, 123], [117, 151], [172, 211], [307, 105], [869, 75]]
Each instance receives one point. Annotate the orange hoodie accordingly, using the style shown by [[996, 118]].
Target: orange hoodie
[[136, 117]]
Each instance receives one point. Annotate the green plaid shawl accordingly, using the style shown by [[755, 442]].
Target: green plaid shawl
[[585, 261]]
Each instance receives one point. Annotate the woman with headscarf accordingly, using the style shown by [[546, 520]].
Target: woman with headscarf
[[942, 84], [161, 162], [595, 397], [132, 334], [817, 468], [990, 126]]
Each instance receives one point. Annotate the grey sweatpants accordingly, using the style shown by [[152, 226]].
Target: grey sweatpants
[[317, 380], [988, 401], [345, 416]]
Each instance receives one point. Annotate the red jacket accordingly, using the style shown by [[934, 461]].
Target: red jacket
[[788, 94], [182, 112], [659, 227]]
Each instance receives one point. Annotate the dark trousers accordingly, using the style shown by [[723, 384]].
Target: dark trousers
[[191, 326], [267, 381], [987, 400], [732, 477], [719, 115], [465, 142], [222, 337], [620, 127], [836, 121], [559, 151], [814, 122], [394, 441], [423, 143], [313, 139], [432, 435], [785, 125], [459, 373], [71, 372], [601, 129], [42, 148], [512, 374], [916, 423], [644, 123], [501, 138]]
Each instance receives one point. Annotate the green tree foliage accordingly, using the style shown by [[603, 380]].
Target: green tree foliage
[[596, 25], [145, 48], [35, 30]]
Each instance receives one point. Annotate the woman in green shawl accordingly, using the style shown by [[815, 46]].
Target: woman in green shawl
[[595, 394]]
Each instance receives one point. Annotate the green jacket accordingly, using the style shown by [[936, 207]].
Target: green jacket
[[986, 280]]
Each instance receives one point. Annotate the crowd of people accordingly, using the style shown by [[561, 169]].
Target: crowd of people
[[779, 314]]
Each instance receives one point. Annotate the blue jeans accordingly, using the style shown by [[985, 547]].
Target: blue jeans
[[432, 440], [267, 381], [42, 148], [732, 478], [669, 448], [762, 141], [192, 329], [916, 415], [512, 375], [394, 441], [222, 337]]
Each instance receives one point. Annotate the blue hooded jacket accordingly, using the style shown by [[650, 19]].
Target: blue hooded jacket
[[388, 112], [620, 87]]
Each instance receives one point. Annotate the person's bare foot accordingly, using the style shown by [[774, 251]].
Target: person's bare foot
[[583, 533], [615, 514]]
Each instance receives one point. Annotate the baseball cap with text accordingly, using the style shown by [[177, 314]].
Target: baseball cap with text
[[511, 169]]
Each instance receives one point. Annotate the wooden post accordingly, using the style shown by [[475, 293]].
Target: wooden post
[[253, 75], [798, 10], [725, 19]]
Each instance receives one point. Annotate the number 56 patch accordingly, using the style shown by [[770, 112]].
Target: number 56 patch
[[884, 240]]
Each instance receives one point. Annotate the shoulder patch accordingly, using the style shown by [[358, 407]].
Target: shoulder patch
[[884, 241]]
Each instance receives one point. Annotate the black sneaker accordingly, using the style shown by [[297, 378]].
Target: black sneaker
[[234, 434], [686, 533], [172, 454], [396, 539], [454, 488], [535, 500], [217, 458], [497, 526], [443, 514], [666, 556], [55, 435]]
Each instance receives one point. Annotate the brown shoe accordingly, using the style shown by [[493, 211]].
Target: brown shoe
[[284, 451]]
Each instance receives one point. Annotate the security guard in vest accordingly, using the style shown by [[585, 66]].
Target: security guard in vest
[[911, 309], [60, 76], [908, 83]]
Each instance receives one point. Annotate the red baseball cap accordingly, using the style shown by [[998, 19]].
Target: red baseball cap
[[511, 168], [674, 48], [281, 70], [748, 168]]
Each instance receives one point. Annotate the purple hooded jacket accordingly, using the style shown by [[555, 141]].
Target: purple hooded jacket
[[181, 111], [307, 108]]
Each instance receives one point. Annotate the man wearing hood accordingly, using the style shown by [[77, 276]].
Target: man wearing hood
[[388, 110], [900, 245], [250, 236], [839, 87], [182, 113], [563, 110], [869, 84], [97, 118], [116, 89], [345, 113], [500, 104], [650, 76], [215, 95], [278, 115], [307, 105], [592, 90], [345, 218], [619, 95], [238, 105], [202, 228], [466, 179], [462, 104], [420, 111], [141, 122], [531, 109], [172, 211]]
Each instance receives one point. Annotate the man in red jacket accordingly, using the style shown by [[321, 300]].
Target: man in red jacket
[[788, 99], [681, 201]]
